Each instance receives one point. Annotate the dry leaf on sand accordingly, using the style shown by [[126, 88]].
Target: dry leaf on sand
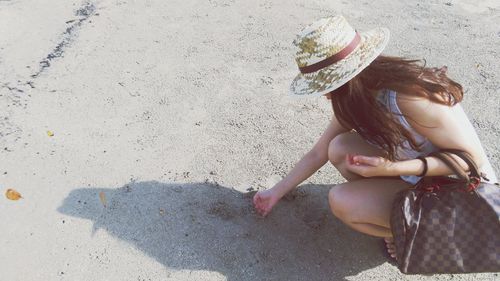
[[12, 194], [102, 197]]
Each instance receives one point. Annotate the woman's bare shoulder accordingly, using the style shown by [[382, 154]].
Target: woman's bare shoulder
[[421, 111]]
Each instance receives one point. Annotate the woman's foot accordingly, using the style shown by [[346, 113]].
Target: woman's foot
[[391, 248]]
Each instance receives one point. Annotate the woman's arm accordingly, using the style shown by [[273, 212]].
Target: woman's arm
[[265, 200], [435, 167], [436, 122], [312, 160], [439, 124]]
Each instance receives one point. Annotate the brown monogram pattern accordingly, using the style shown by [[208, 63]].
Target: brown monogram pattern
[[439, 227]]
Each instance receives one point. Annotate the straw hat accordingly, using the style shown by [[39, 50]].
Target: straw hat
[[330, 53]]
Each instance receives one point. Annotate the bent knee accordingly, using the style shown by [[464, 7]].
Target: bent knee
[[337, 149], [338, 201]]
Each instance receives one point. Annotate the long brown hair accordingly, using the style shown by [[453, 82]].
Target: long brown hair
[[355, 103]]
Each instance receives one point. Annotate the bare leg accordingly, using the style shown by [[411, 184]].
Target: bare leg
[[363, 203]]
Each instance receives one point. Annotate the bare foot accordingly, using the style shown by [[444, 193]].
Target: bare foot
[[391, 248]]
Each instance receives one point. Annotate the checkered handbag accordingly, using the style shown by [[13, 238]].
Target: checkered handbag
[[447, 224]]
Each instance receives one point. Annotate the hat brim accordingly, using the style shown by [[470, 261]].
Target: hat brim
[[332, 77]]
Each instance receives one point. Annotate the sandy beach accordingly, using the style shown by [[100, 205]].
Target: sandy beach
[[137, 132]]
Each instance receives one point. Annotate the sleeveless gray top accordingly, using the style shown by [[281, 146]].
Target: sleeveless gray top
[[388, 99]]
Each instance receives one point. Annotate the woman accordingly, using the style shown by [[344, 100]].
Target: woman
[[388, 112]]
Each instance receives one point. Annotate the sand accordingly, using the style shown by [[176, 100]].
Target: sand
[[177, 111]]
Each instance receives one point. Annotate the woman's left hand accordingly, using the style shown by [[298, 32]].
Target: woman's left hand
[[370, 166]]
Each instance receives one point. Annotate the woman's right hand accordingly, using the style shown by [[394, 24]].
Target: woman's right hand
[[265, 200]]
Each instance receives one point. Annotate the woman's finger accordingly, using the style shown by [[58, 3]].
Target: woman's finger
[[350, 159], [258, 205], [262, 212], [372, 161], [256, 198], [356, 170], [362, 170]]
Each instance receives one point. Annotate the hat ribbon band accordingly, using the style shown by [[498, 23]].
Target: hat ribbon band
[[333, 59]]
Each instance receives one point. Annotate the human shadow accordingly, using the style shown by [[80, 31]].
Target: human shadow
[[202, 226]]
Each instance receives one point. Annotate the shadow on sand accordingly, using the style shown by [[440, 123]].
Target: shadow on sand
[[202, 226]]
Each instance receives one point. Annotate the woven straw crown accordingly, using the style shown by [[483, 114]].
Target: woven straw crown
[[323, 39]]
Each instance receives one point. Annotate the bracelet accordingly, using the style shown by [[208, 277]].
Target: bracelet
[[425, 166]]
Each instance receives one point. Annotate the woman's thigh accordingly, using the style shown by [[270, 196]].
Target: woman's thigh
[[365, 201]]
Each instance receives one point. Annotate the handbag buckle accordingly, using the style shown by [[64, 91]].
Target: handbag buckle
[[473, 184]]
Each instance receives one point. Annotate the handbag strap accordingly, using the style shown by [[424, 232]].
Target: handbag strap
[[452, 164], [473, 168]]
